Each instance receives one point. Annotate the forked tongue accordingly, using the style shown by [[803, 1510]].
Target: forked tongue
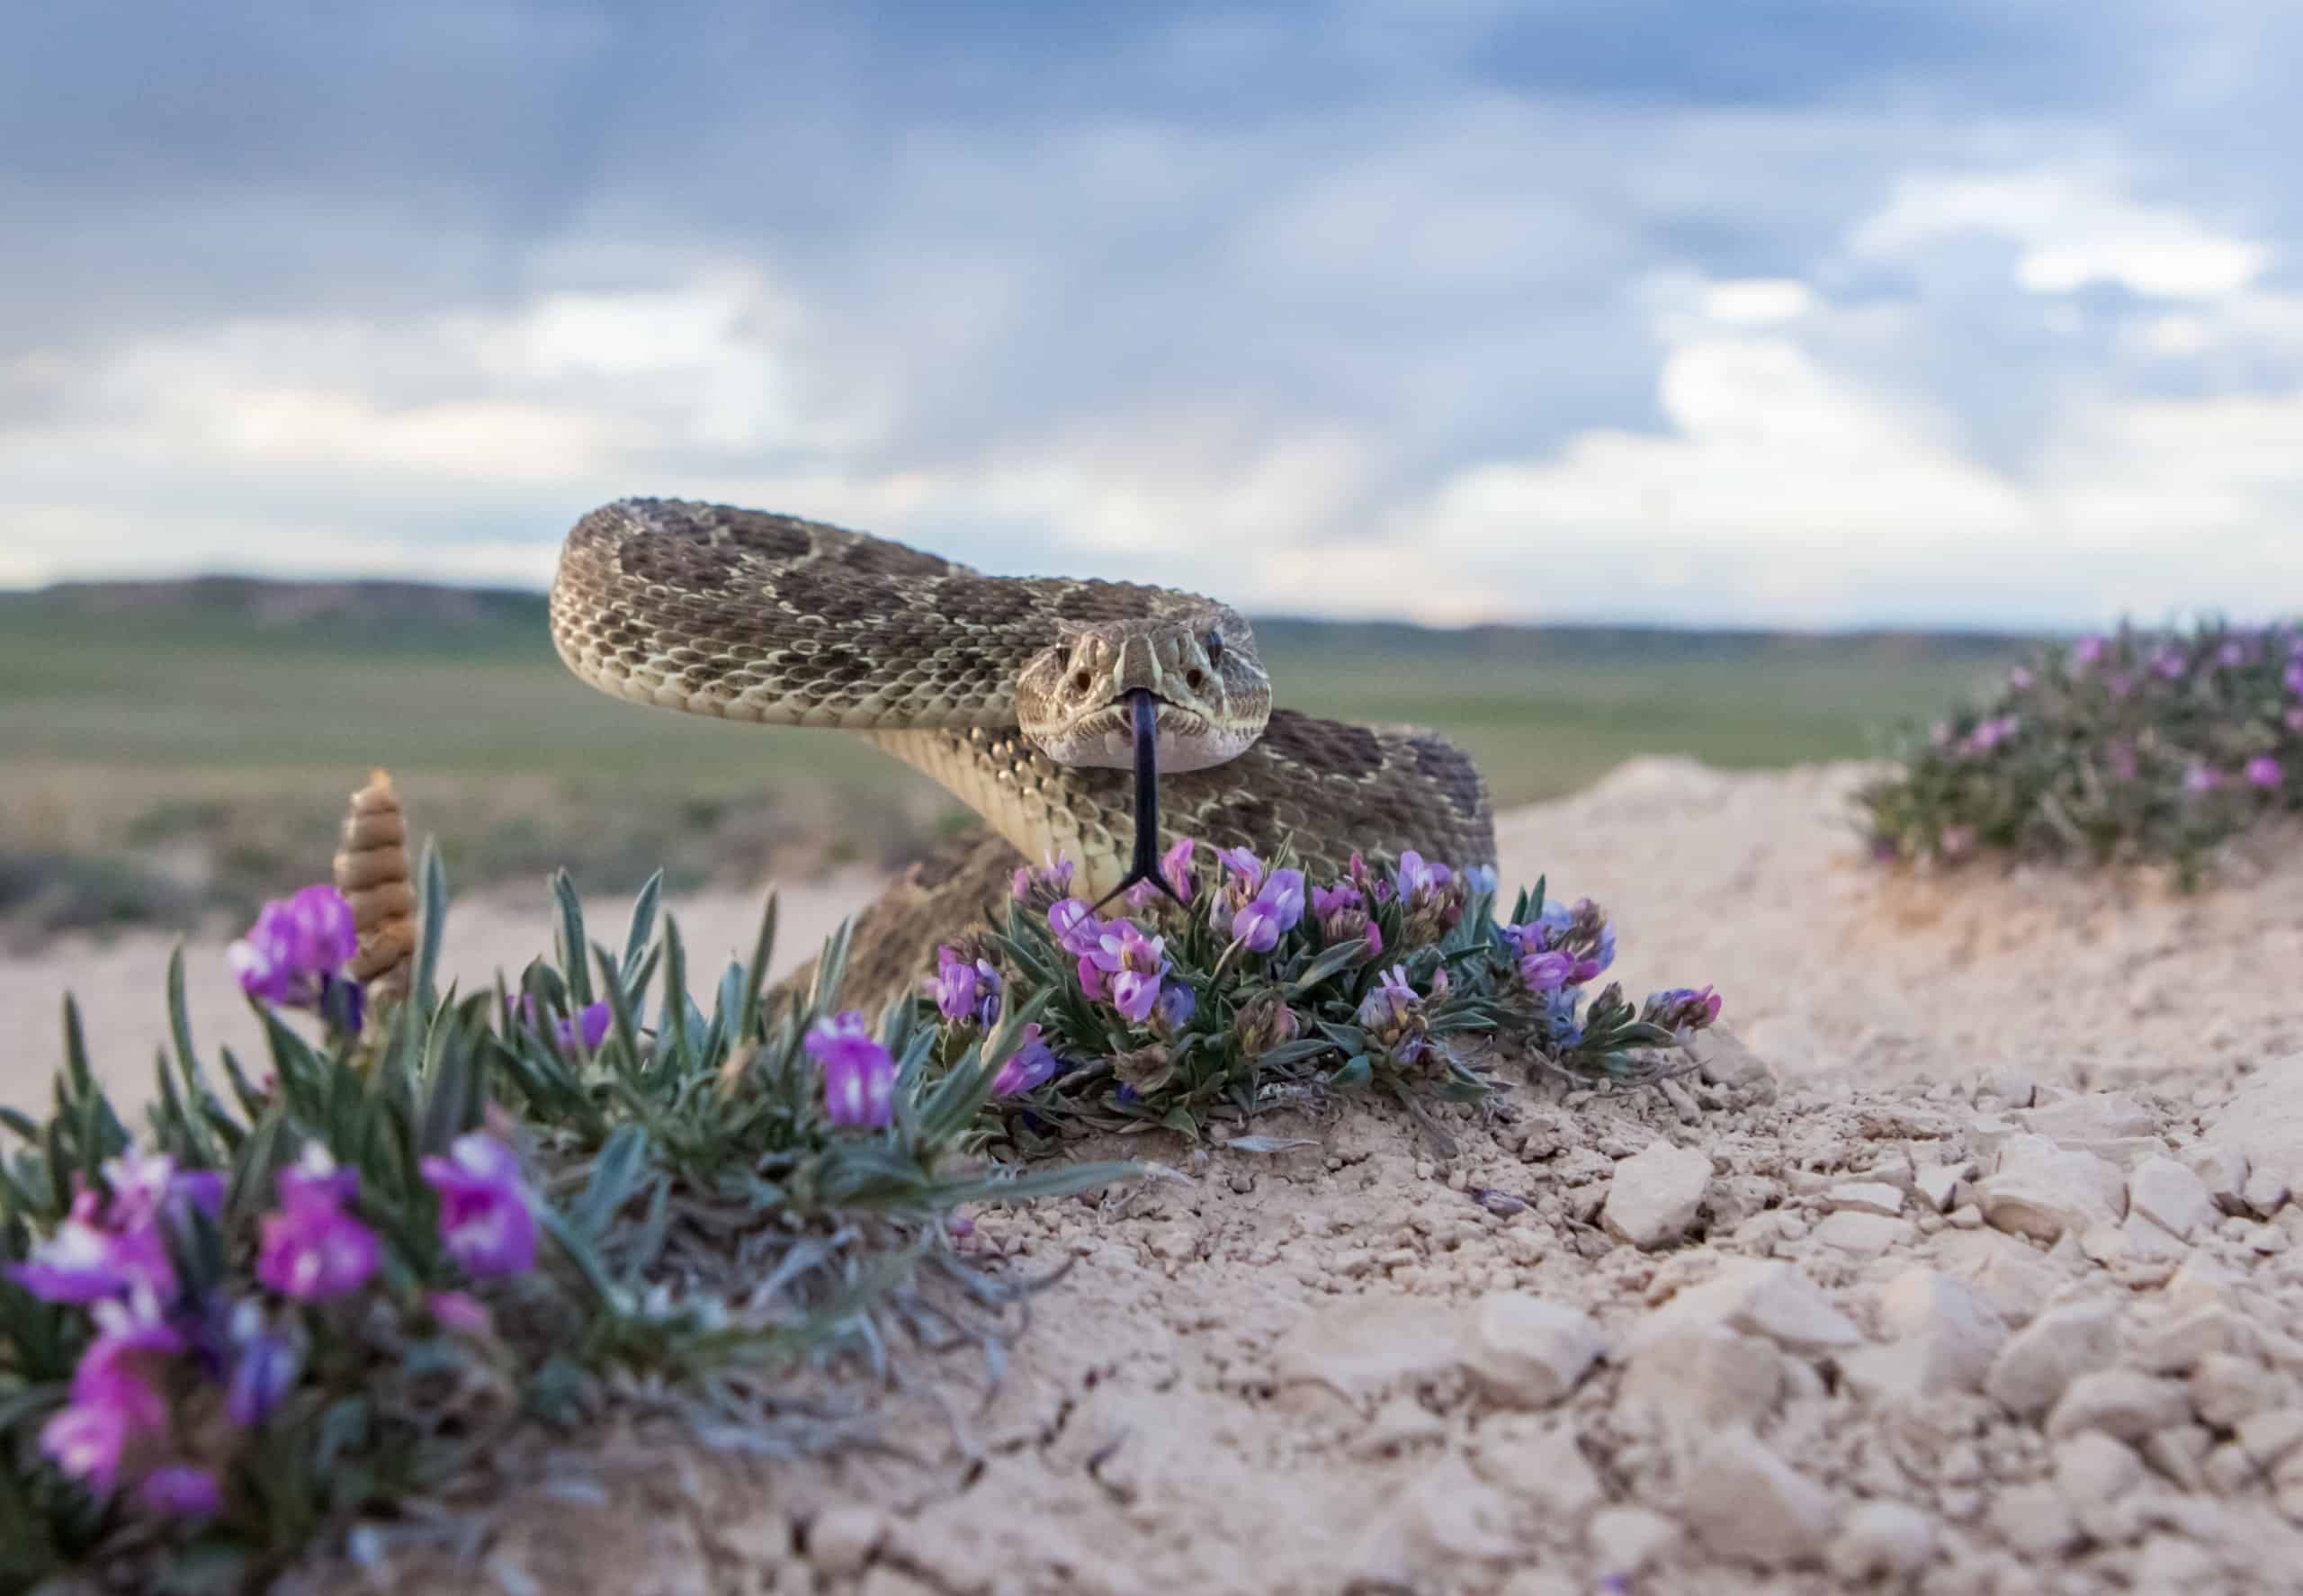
[[1144, 864]]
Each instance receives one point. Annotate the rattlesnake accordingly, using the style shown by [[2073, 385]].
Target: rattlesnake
[[1008, 690]]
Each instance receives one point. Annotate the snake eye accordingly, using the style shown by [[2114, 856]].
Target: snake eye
[[1214, 641]]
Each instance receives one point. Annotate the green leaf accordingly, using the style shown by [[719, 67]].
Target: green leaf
[[673, 1036], [754, 975], [431, 928], [572, 946], [642, 929], [615, 1175], [1353, 1074]]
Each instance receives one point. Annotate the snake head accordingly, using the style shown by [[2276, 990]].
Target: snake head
[[1199, 665]]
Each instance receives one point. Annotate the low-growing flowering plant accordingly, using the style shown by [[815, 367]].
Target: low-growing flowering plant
[[1271, 984], [262, 1318], [2137, 746]]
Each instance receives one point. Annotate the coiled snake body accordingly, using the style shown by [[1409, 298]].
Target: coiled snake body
[[1010, 692]]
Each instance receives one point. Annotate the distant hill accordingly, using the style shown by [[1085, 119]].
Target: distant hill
[[402, 615]]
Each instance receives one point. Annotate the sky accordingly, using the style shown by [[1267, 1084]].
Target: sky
[[1849, 312]]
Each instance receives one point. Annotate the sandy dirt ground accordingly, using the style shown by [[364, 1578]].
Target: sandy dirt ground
[[1967, 1266]]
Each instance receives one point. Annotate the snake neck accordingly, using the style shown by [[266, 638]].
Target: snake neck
[[1037, 805]]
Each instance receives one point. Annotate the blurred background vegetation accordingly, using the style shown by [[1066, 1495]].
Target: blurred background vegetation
[[180, 750]]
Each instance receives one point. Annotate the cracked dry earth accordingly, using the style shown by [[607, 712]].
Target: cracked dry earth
[[1967, 1265]]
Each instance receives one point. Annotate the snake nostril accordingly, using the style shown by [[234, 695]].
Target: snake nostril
[[1080, 679], [1194, 679]]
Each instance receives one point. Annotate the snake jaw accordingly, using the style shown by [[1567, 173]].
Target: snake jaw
[[1198, 669]]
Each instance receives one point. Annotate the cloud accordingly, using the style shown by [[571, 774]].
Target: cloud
[[1951, 311], [2072, 230]]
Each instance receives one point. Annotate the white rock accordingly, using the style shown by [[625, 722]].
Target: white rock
[[2037, 1363], [2090, 1118], [2179, 1453], [2264, 1194], [1363, 1346], [1764, 1297], [2015, 1277], [2263, 1122], [2176, 1346], [1744, 1501], [1936, 1183], [2043, 1191], [1882, 1541], [2171, 1197], [1866, 1197], [1721, 1060], [1626, 1541], [2136, 1250], [1655, 1192], [2222, 1169], [2092, 1468], [1863, 1235], [1525, 1351], [2225, 1388], [2033, 1519], [1548, 1469], [2267, 1239], [2124, 1402], [1945, 1335], [2169, 1563], [2267, 1437], [2012, 1088], [842, 1539], [2203, 1281], [1705, 1378]]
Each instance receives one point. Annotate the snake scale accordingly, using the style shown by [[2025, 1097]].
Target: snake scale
[[1010, 692]]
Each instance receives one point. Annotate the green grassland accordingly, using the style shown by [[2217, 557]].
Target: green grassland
[[221, 722]]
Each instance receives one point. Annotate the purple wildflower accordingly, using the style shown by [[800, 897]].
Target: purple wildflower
[[461, 1313], [2231, 655], [2263, 771], [2087, 651], [2019, 680], [1076, 930], [1038, 888], [1393, 1015], [180, 1491], [118, 1408], [955, 985], [2202, 778], [1033, 1064], [1336, 900], [311, 1248], [264, 1367], [2171, 662], [486, 1222], [1277, 907], [296, 945], [859, 1074], [89, 1441], [83, 1262], [1683, 1008], [587, 1026], [1130, 965], [1177, 1003], [1416, 876], [1989, 734], [1175, 868], [2294, 678]]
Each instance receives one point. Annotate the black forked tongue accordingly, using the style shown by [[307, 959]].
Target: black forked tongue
[[1143, 865]]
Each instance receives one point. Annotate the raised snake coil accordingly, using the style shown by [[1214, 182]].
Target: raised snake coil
[[750, 616]]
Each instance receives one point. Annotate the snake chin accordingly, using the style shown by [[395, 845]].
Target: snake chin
[[1105, 739]]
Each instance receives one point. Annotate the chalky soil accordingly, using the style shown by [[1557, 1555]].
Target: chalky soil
[[1968, 1267]]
